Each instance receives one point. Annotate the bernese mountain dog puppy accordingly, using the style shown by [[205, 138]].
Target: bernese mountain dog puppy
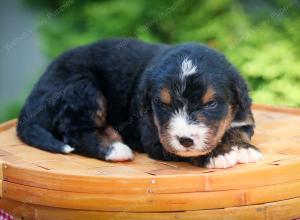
[[184, 102]]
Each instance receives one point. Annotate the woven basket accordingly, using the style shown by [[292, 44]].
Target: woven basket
[[35, 184]]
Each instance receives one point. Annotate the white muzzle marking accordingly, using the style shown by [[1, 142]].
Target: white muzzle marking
[[181, 127]]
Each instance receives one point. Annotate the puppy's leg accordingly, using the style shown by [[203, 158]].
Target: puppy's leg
[[234, 148], [104, 144], [82, 124], [119, 151], [235, 145]]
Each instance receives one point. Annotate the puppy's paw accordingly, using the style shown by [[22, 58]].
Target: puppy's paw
[[223, 160], [119, 152], [249, 155], [237, 154], [66, 149]]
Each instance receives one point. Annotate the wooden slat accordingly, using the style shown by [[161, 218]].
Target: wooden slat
[[151, 202], [7, 125], [289, 209], [281, 109], [245, 177], [9, 138], [282, 210], [1, 177], [1, 169], [1, 188]]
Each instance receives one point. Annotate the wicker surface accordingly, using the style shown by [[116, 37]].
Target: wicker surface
[[34, 180]]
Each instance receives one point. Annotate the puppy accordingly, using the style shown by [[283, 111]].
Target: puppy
[[184, 102]]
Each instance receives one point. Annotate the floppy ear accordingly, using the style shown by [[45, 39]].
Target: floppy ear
[[241, 102], [143, 96]]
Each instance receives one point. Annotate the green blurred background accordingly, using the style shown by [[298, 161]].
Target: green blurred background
[[262, 38]]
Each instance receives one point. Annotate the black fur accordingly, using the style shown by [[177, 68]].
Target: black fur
[[128, 74]]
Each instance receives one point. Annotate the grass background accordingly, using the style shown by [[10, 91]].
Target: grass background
[[260, 37]]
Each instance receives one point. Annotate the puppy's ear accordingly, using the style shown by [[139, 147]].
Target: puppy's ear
[[241, 102], [241, 92], [143, 100]]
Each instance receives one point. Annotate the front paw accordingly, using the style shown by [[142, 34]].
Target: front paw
[[119, 152], [244, 153]]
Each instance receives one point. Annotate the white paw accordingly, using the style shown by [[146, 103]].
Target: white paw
[[67, 149], [236, 155], [249, 155], [119, 152]]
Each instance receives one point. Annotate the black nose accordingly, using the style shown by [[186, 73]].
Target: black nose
[[185, 141]]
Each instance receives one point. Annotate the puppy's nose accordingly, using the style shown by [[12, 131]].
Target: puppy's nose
[[185, 141]]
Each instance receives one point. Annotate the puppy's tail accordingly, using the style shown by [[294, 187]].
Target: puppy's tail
[[37, 136]]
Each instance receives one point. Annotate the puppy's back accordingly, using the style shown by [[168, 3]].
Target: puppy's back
[[97, 66]]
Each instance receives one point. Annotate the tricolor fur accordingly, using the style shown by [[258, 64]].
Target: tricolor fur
[[183, 102]]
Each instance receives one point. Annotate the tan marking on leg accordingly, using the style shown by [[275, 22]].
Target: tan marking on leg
[[112, 134], [245, 137], [235, 136], [165, 95], [250, 119], [108, 136], [101, 113]]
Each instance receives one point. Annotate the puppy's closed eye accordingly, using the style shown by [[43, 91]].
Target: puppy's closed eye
[[211, 104]]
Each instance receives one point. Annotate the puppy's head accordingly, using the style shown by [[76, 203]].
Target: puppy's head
[[193, 99]]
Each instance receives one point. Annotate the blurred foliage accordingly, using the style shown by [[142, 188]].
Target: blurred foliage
[[11, 110], [260, 37]]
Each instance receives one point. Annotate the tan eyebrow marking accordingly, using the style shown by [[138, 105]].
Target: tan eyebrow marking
[[209, 95], [165, 95]]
